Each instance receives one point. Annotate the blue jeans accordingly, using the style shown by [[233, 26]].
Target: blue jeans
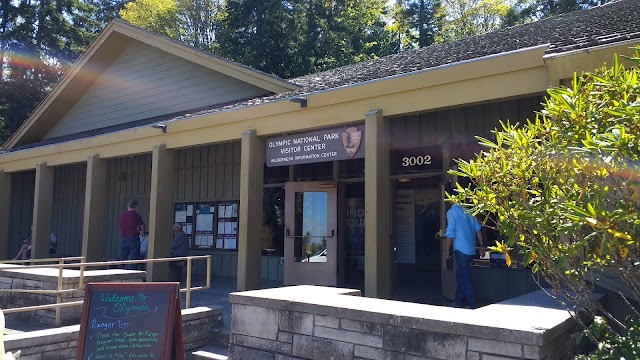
[[464, 288], [130, 245]]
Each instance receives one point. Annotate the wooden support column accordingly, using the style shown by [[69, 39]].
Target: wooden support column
[[377, 218], [160, 219], [42, 208], [5, 212], [95, 203], [250, 216]]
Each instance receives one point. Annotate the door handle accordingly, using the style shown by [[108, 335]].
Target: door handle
[[287, 233]]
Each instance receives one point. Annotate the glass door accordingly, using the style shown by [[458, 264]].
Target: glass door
[[310, 251]]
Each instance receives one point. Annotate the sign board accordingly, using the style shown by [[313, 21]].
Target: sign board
[[131, 321], [341, 143], [405, 227], [416, 160]]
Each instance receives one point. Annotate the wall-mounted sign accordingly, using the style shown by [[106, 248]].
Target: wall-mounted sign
[[416, 160], [323, 145]]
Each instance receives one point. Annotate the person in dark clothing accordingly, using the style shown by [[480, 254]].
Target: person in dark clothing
[[179, 248], [130, 226]]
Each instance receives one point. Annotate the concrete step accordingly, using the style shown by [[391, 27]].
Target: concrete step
[[210, 352]]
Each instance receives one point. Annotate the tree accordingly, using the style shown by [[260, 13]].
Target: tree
[[565, 187], [260, 34], [38, 42], [158, 16], [524, 11], [296, 38], [415, 23], [465, 18]]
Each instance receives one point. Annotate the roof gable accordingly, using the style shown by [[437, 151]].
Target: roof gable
[[110, 45]]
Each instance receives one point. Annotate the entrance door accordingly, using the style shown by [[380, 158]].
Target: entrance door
[[310, 248], [416, 220]]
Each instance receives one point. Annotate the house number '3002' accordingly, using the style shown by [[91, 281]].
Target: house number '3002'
[[416, 160]]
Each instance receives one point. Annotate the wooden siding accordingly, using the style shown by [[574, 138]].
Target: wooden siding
[[144, 82], [207, 173], [22, 196], [68, 208], [128, 178], [459, 124]]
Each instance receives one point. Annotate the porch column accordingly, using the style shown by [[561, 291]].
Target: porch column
[[160, 219], [94, 207], [5, 212], [250, 216], [42, 208], [377, 218]]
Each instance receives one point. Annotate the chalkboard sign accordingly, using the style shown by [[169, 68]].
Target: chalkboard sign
[[131, 321]]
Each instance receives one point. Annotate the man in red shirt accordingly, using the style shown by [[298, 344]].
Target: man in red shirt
[[130, 226]]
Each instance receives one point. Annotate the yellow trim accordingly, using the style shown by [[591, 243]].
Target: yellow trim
[[476, 81], [563, 66], [102, 45]]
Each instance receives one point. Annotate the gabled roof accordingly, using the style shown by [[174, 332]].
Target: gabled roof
[[613, 23], [102, 51], [608, 24]]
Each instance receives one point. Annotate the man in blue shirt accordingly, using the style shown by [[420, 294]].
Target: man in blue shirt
[[462, 230]]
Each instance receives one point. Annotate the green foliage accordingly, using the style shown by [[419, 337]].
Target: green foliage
[[194, 22], [565, 186], [611, 345], [465, 18], [523, 11], [302, 36], [159, 16], [414, 23], [38, 42]]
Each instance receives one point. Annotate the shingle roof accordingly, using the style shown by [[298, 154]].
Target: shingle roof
[[614, 22], [611, 23]]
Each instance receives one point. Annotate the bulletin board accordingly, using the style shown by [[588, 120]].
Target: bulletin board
[[209, 225]]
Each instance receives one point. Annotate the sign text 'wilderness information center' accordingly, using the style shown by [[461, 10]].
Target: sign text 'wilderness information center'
[[323, 145]]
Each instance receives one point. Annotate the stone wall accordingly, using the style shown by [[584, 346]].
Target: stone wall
[[25, 278], [307, 322], [198, 325]]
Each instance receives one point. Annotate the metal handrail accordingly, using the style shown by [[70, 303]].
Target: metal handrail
[[73, 258], [61, 265]]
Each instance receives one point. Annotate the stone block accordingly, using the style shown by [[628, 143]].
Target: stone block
[[285, 336], [424, 343], [262, 344], [367, 352], [285, 357], [495, 357], [295, 322], [243, 353], [348, 336], [495, 347], [195, 345], [361, 326], [315, 348], [327, 321], [533, 352], [472, 355], [255, 321], [191, 334], [31, 357], [64, 354]]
